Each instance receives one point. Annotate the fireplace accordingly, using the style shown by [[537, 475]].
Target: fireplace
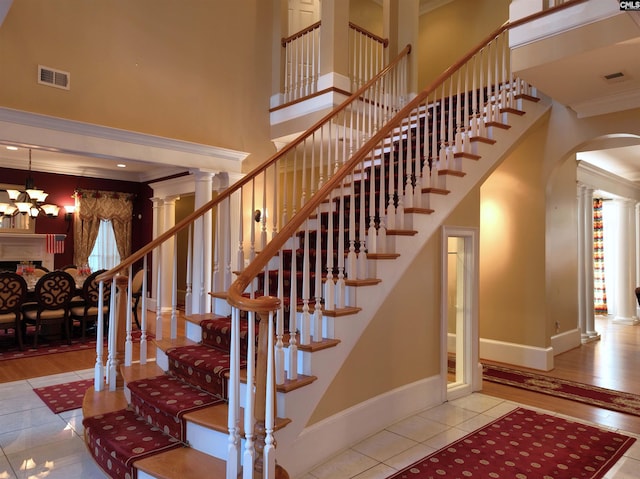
[[18, 247]]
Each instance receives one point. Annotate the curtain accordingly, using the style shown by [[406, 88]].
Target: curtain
[[93, 206], [599, 288]]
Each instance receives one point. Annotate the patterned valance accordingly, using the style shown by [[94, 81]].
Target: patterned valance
[[104, 205]]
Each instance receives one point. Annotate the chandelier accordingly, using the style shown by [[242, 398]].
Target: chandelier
[[29, 201]]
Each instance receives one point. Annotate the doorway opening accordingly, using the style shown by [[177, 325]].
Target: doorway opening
[[460, 356]]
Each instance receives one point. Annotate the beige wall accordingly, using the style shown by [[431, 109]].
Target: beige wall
[[197, 71], [401, 345], [447, 33], [512, 248]]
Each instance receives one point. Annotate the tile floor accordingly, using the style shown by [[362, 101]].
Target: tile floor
[[36, 443]]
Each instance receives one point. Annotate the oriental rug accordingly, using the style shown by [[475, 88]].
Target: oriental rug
[[562, 388], [525, 444], [64, 397]]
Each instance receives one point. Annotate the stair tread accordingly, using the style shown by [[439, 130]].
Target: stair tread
[[140, 371], [165, 344], [216, 418], [185, 463], [197, 318], [101, 402]]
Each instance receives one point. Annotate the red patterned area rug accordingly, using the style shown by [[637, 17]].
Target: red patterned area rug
[[525, 444], [64, 397], [585, 393]]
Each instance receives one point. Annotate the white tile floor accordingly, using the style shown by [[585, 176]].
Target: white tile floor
[[36, 443]]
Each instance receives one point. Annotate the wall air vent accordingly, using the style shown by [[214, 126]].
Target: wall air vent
[[615, 77], [53, 77]]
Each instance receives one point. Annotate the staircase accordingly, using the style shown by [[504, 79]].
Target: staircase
[[351, 203]]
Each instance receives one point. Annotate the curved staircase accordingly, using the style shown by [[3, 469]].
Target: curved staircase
[[352, 220]]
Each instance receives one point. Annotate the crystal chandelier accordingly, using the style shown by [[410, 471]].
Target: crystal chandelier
[[29, 201]]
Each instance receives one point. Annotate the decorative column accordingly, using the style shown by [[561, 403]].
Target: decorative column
[[637, 283], [168, 250], [626, 263], [586, 316], [201, 251], [158, 219]]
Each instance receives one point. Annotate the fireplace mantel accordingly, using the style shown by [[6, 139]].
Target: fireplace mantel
[[25, 247]]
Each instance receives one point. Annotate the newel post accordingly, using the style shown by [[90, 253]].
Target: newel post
[[117, 333]]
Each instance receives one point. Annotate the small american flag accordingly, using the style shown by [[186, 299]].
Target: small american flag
[[55, 243]]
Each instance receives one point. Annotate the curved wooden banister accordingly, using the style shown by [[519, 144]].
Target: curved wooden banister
[[181, 225], [257, 266]]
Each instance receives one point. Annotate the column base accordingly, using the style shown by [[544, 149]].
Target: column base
[[633, 321], [589, 337]]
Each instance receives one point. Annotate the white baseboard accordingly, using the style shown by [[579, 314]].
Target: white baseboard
[[329, 437], [563, 342], [517, 354]]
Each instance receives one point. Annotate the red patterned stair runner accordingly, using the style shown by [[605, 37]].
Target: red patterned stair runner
[[118, 439], [164, 400], [206, 365]]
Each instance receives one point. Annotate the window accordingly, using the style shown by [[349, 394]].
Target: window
[[105, 252]]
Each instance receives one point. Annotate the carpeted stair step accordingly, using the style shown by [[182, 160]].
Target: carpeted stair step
[[201, 366], [217, 333], [164, 400], [119, 438]]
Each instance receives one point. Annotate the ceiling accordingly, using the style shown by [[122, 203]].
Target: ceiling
[[575, 78]]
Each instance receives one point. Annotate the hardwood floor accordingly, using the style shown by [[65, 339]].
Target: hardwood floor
[[612, 362]]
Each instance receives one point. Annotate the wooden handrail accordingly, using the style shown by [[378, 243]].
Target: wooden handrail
[[301, 33], [384, 41], [251, 175], [270, 303]]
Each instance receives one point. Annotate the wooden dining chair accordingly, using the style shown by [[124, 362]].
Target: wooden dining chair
[[86, 310], [52, 297], [13, 293]]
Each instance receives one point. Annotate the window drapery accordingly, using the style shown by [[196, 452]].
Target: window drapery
[[93, 206], [599, 286]]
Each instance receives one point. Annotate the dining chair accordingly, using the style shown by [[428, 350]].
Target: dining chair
[[86, 310], [13, 293], [136, 294], [52, 297]]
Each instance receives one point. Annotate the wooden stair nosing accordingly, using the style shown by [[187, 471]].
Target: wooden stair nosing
[[498, 124], [469, 156], [362, 282], [217, 418], [197, 318], [420, 211], [394, 232], [483, 139], [383, 255], [333, 313], [436, 191], [184, 462], [451, 173], [102, 402]]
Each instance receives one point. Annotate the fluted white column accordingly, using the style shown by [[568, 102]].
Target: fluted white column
[[626, 263], [586, 316]]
